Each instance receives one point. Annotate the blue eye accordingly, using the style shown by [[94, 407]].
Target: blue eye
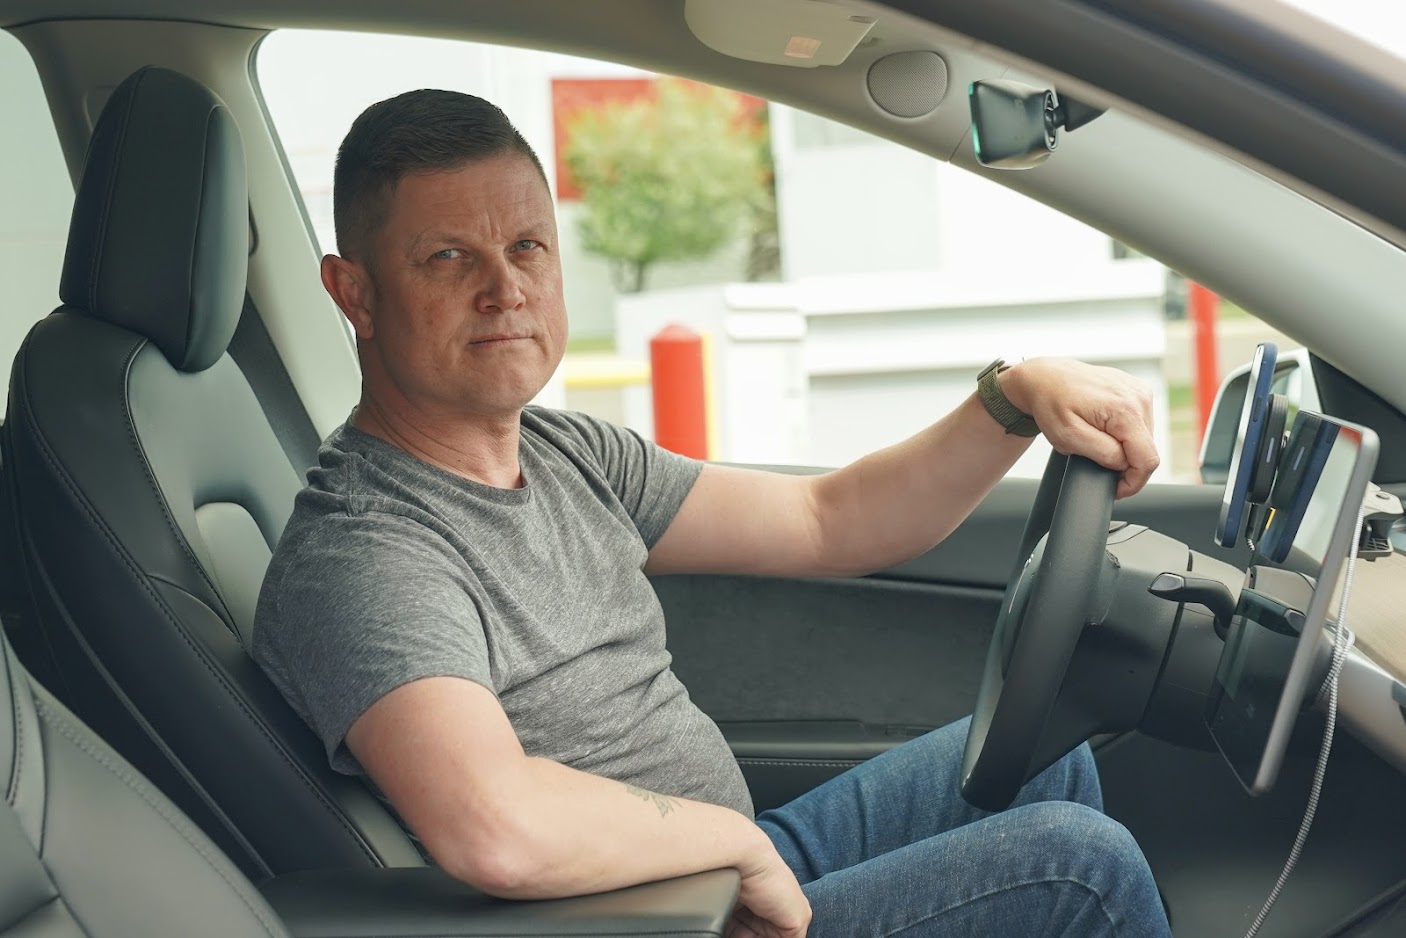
[[526, 244], [448, 254]]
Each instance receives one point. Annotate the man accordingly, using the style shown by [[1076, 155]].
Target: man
[[459, 605]]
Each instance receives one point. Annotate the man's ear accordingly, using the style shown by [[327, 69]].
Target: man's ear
[[349, 285]]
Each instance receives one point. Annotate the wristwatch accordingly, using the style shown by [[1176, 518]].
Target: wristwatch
[[1005, 413]]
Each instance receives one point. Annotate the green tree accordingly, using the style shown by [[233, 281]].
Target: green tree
[[668, 179], [764, 235]]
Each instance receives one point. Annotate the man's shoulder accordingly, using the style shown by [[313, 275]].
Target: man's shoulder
[[357, 474], [348, 530], [577, 435], [556, 425], [338, 474], [354, 493]]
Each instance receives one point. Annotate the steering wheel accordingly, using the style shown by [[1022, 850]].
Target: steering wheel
[[1043, 613]]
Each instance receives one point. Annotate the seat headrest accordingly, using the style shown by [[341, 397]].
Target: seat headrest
[[159, 242]]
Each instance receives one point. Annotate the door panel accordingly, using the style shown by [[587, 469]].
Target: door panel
[[833, 669], [866, 651], [782, 759], [982, 551], [808, 677]]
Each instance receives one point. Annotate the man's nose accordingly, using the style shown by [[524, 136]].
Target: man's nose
[[501, 288]]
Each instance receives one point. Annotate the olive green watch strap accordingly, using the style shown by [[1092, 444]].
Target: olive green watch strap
[[988, 389]]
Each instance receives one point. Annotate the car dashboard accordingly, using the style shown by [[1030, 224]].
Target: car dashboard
[[1372, 690]]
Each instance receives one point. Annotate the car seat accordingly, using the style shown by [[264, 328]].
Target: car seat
[[89, 847], [149, 490]]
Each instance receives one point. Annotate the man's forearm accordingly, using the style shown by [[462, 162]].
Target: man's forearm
[[557, 831], [444, 752], [898, 502]]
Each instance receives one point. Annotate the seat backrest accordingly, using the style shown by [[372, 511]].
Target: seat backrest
[[89, 847], [150, 489]]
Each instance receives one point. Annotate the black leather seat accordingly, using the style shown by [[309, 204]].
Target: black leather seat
[[150, 490], [89, 847]]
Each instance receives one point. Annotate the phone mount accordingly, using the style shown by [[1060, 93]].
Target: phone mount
[[1266, 466], [1380, 510]]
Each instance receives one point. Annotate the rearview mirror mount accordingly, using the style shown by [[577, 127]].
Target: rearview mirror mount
[[1016, 126]]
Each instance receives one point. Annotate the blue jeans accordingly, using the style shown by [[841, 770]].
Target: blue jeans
[[889, 848]]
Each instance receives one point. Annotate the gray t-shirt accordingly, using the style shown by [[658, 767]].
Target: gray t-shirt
[[391, 570]]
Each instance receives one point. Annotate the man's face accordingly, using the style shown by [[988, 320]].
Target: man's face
[[465, 314]]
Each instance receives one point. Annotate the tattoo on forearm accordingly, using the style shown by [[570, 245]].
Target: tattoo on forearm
[[664, 803]]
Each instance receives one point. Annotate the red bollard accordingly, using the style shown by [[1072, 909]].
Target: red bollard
[[1203, 305], [680, 391]]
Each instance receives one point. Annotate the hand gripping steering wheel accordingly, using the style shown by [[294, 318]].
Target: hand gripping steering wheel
[[1046, 604]]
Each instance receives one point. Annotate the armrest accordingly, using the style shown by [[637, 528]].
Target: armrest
[[408, 902]]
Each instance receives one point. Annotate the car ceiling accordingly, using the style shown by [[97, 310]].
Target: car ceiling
[[1088, 46], [1294, 114], [1130, 47]]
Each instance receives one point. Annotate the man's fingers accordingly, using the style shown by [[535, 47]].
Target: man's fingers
[[1095, 412], [1135, 440], [1081, 439], [747, 924], [741, 925], [1135, 457], [1136, 474]]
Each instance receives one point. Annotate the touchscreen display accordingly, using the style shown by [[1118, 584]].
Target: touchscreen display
[[1265, 668]]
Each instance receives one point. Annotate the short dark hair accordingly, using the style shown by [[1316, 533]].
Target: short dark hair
[[418, 131]]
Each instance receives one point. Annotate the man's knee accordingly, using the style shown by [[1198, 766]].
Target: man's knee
[[1077, 830], [1091, 855]]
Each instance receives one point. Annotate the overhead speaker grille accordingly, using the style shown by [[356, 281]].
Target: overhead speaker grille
[[908, 84]]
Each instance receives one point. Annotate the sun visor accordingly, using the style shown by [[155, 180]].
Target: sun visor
[[804, 33]]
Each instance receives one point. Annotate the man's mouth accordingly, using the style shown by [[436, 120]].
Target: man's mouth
[[497, 339]]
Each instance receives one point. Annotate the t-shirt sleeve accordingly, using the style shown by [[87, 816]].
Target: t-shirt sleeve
[[360, 605], [650, 481]]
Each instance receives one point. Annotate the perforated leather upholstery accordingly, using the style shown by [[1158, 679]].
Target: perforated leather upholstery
[[150, 491]]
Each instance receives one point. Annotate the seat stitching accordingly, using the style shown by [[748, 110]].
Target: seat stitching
[[802, 763], [125, 702], [12, 794], [188, 334], [135, 783], [111, 187], [144, 584]]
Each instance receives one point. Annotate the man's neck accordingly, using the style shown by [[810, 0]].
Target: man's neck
[[481, 449]]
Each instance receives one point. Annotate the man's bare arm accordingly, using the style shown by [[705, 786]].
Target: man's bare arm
[[442, 750], [898, 502]]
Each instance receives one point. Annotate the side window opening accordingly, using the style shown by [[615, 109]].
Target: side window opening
[[36, 199], [834, 319]]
